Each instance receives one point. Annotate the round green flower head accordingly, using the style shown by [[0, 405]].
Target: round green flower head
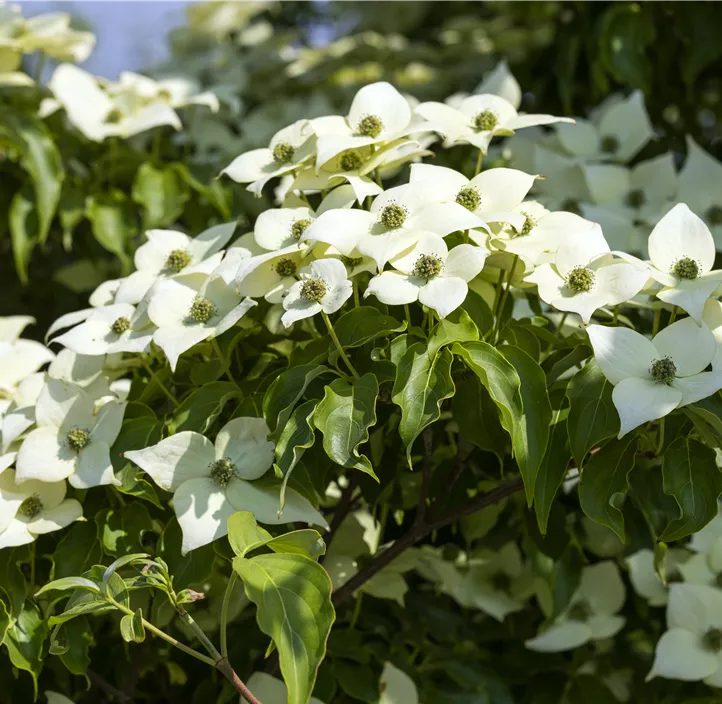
[[469, 197], [393, 216], [77, 439], [31, 507], [686, 268], [581, 279], [222, 471], [299, 227], [283, 152], [114, 116], [177, 260], [663, 370], [527, 227], [120, 325], [636, 198], [427, 266], [313, 290], [485, 121], [350, 161], [202, 310], [712, 640], [581, 611], [351, 262], [370, 126], [286, 267], [714, 215], [609, 144]]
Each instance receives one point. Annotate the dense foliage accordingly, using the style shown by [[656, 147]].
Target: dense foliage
[[391, 386]]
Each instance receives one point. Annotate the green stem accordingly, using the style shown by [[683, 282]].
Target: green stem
[[560, 327], [505, 293], [159, 382], [226, 364], [657, 319], [497, 292], [157, 144], [356, 298], [356, 611], [337, 342], [660, 442], [224, 613], [32, 566], [479, 159], [615, 317], [198, 633], [672, 316], [407, 312]]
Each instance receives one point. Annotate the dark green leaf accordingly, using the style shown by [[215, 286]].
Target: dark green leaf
[[71, 641], [187, 570], [552, 469], [24, 641], [162, 193], [199, 410], [297, 436], [478, 311], [245, 535], [69, 583], [131, 627], [121, 529], [23, 231], [114, 225], [458, 327], [364, 324]]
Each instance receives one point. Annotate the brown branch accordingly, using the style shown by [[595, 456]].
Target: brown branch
[[97, 681], [224, 667], [342, 510], [418, 531]]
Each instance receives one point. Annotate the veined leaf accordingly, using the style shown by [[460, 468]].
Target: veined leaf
[[245, 535], [24, 641], [162, 192], [113, 219], [552, 469], [364, 324], [297, 436]]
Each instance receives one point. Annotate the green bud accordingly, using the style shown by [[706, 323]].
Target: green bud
[[485, 121], [120, 325], [31, 507], [286, 267], [428, 266], [581, 279], [609, 144], [178, 260], [313, 290], [299, 227], [686, 268], [283, 153], [202, 310], [350, 161], [370, 126], [580, 611], [469, 197], [77, 439], [393, 216]]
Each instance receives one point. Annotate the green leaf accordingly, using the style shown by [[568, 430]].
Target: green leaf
[[245, 535], [23, 231], [479, 311], [364, 324], [344, 417], [297, 436], [40, 157], [422, 382], [113, 220], [592, 415], [458, 327], [293, 597], [122, 562], [131, 627], [604, 483], [71, 641], [4, 620], [552, 469], [531, 436], [690, 474], [500, 379], [12, 582], [187, 570], [69, 583], [199, 410], [24, 641], [162, 193], [121, 529], [285, 392]]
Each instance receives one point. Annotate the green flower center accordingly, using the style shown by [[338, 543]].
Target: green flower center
[[286, 267], [581, 279], [313, 290], [299, 227], [77, 439], [350, 161], [428, 266], [636, 198], [114, 116], [580, 611], [351, 262], [609, 144], [120, 325], [712, 640], [202, 310], [714, 215], [686, 268], [370, 126], [178, 260], [31, 507], [663, 370], [571, 206], [283, 152], [501, 582], [393, 216], [469, 197], [527, 227], [222, 471], [485, 121]]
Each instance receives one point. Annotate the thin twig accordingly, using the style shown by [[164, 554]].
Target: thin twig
[[97, 681]]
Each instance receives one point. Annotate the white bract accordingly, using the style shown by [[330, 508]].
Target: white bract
[[652, 378], [431, 274], [479, 118], [692, 647], [324, 287], [591, 613], [682, 252], [645, 578], [18, 357], [71, 440], [33, 508], [209, 483]]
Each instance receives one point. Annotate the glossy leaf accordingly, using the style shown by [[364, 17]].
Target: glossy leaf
[[245, 535], [364, 324], [23, 231], [24, 641], [162, 193], [297, 436], [552, 469], [131, 627], [201, 407]]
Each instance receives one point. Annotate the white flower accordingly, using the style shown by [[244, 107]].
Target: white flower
[[644, 577], [193, 308], [617, 131], [20, 413], [33, 508], [500, 81], [709, 539], [493, 195], [651, 379], [692, 647], [682, 252], [51, 34], [706, 566], [430, 274], [323, 287], [287, 150], [585, 277], [177, 92], [211, 483], [270, 274], [278, 228], [479, 118], [19, 358], [168, 253], [71, 441], [627, 200], [591, 614], [108, 330]]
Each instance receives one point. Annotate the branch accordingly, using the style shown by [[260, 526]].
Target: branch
[[97, 681], [418, 531]]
